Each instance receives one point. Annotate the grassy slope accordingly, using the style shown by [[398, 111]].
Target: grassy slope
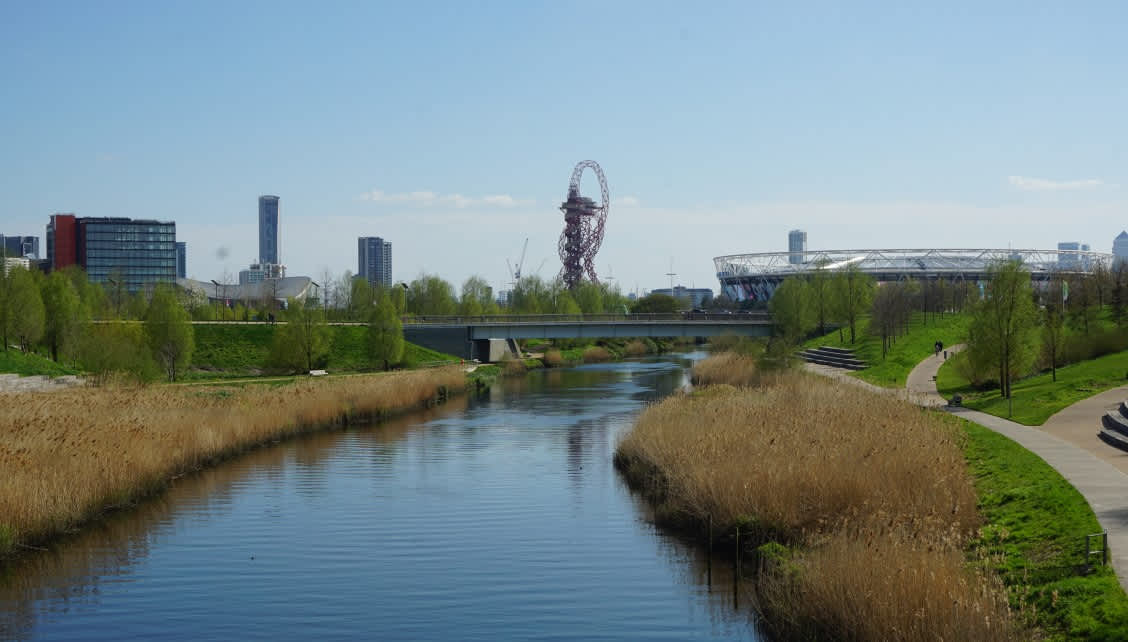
[[1035, 533], [904, 355], [14, 361], [1037, 398], [239, 350]]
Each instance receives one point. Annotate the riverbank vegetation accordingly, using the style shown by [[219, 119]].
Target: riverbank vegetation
[[862, 504], [72, 455]]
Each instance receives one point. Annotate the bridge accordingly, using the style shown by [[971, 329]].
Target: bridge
[[483, 337]]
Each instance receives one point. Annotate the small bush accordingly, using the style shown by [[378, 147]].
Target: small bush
[[552, 359], [635, 348], [596, 354]]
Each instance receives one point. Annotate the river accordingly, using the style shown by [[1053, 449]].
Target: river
[[488, 518]]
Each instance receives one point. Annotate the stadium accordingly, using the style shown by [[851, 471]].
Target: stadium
[[754, 277]]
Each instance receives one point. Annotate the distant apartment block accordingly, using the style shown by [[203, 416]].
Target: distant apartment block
[[796, 246], [1070, 256], [138, 252], [374, 260], [181, 260], [259, 272], [698, 297], [22, 246], [1120, 247], [268, 229]]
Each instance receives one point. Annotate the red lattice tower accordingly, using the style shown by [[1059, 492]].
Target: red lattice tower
[[584, 220]]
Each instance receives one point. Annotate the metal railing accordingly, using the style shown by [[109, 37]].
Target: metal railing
[[733, 317]]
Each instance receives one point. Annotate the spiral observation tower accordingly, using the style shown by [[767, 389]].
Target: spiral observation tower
[[755, 277], [584, 220]]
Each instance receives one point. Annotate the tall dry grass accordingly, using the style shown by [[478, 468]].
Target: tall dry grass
[[635, 348], [872, 491], [730, 368], [596, 354], [70, 455], [553, 359]]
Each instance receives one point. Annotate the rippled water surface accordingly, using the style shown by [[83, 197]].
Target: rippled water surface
[[493, 518]]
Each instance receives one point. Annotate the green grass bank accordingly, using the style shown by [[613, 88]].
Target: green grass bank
[[1034, 537], [1037, 398], [14, 361], [905, 354]]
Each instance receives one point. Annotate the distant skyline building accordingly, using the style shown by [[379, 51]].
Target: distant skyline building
[[374, 260], [1071, 249], [181, 260], [1120, 246], [796, 246], [259, 272], [139, 252], [268, 229], [698, 297], [20, 246]]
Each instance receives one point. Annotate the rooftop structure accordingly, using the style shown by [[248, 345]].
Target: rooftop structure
[[755, 276], [277, 290]]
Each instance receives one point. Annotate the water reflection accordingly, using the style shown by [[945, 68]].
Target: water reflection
[[495, 517]]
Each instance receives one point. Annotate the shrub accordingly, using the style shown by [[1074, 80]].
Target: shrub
[[635, 348], [596, 354], [552, 359]]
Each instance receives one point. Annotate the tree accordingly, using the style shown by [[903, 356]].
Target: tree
[[26, 316], [890, 312], [302, 342], [1052, 327], [1081, 299], [168, 331], [821, 290], [477, 298], [853, 291], [1003, 322], [792, 312], [361, 299], [431, 295], [5, 301], [398, 295], [655, 304], [530, 295], [385, 334], [62, 311], [1118, 295], [589, 296]]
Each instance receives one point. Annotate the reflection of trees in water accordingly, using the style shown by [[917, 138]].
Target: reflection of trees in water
[[69, 574]]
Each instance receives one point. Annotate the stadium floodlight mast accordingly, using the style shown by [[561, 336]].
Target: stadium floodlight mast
[[584, 221]]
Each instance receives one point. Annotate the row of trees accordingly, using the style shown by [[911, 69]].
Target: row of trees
[[823, 298], [55, 312]]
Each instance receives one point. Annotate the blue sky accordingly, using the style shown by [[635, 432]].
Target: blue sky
[[451, 129]]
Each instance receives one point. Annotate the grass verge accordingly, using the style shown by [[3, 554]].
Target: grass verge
[[1033, 538], [1037, 398], [70, 456], [14, 361], [905, 354]]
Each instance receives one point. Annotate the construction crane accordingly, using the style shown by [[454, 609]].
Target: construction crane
[[515, 274]]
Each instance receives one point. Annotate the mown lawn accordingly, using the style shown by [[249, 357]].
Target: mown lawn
[[1037, 398], [1034, 538], [909, 349], [242, 350], [14, 361]]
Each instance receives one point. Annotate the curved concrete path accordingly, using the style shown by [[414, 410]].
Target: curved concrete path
[[1068, 443], [921, 383]]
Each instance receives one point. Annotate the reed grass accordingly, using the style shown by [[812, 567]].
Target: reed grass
[[732, 368], [872, 493], [70, 455], [635, 348], [553, 359], [596, 354]]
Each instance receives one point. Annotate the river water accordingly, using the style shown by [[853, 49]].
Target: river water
[[489, 518]]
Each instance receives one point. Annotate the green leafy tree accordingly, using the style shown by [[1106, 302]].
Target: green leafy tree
[[792, 310], [62, 312], [5, 302], [1053, 327], [655, 304], [589, 296], [1118, 296], [362, 297], [1082, 303], [116, 347], [853, 291], [821, 299], [168, 331], [530, 295], [26, 316], [431, 295], [477, 298], [384, 341], [1003, 323], [398, 295], [301, 343]]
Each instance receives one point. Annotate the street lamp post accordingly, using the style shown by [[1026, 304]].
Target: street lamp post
[[216, 284]]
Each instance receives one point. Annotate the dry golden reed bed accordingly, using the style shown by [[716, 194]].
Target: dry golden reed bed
[[871, 493], [68, 456]]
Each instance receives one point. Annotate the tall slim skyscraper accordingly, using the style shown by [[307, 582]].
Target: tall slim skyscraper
[[374, 260], [1120, 247], [268, 229], [181, 260], [797, 246]]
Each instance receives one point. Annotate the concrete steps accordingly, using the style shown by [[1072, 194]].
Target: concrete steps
[[1114, 427], [834, 357]]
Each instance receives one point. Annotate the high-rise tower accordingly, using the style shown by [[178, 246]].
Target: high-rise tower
[[796, 246], [374, 260], [268, 229]]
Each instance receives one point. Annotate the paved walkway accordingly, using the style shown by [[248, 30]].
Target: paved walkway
[[1068, 443], [922, 380]]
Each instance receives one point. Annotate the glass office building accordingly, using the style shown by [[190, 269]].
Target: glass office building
[[139, 252], [268, 229], [181, 260], [374, 260]]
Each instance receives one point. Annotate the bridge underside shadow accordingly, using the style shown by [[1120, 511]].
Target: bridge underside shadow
[[474, 341]]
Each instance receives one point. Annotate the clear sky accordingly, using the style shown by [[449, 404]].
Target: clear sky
[[451, 128]]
